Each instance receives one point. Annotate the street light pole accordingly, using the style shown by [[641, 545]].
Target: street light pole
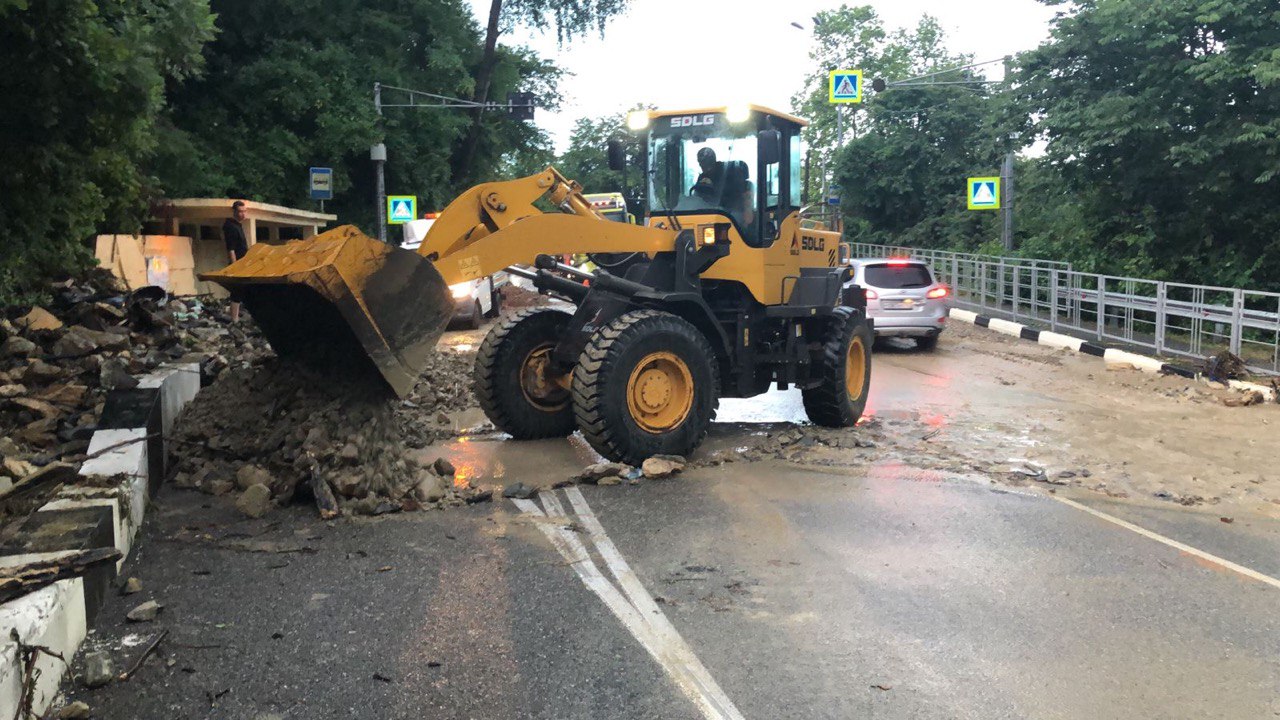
[[378, 154]]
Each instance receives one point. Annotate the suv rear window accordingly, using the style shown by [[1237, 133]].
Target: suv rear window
[[897, 277]]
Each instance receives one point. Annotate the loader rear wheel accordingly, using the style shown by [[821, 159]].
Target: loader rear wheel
[[645, 385], [846, 373], [513, 382]]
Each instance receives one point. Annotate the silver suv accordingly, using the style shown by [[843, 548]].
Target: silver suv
[[904, 298]]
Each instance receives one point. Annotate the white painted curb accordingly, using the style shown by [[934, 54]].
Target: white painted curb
[[54, 616]]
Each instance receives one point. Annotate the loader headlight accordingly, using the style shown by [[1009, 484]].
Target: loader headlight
[[737, 113], [638, 120], [460, 291], [713, 234]]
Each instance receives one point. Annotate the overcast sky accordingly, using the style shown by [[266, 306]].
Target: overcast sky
[[691, 53]]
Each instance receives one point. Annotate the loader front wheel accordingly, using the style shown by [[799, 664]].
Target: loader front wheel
[[838, 401], [645, 385], [513, 381]]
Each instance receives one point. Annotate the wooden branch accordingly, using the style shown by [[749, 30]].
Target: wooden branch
[[19, 580]]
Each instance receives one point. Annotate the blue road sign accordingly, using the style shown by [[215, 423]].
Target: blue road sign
[[321, 183], [401, 209]]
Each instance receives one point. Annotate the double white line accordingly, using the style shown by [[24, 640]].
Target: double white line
[[631, 604]]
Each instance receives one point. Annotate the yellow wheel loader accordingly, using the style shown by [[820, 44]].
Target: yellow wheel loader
[[728, 289]]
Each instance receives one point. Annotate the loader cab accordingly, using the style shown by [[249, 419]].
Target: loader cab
[[740, 162]]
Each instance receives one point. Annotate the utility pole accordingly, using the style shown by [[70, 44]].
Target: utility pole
[[519, 105], [1006, 203], [378, 154]]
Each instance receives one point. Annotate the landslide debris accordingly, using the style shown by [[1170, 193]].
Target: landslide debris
[[277, 431], [59, 360]]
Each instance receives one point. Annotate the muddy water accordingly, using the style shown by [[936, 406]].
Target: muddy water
[[983, 406]]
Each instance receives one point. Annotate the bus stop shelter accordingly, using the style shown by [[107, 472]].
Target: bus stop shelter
[[184, 238]]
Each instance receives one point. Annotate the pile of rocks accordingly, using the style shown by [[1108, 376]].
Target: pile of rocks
[[59, 360], [279, 430], [612, 473]]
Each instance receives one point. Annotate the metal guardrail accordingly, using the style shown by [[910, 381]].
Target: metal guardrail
[[1170, 318]]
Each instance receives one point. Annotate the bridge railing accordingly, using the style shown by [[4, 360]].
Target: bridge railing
[[1167, 317]]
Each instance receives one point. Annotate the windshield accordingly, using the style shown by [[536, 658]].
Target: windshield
[[706, 167]]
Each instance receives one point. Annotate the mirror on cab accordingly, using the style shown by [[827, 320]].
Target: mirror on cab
[[769, 146], [617, 156]]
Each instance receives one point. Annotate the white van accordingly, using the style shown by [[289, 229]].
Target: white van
[[473, 300]]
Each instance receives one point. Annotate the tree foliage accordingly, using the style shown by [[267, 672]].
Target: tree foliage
[[1163, 122], [855, 37], [587, 159], [569, 18], [290, 85], [82, 89]]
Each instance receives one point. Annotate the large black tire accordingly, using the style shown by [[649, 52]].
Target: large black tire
[[618, 387], [846, 353], [927, 343], [471, 320], [517, 343]]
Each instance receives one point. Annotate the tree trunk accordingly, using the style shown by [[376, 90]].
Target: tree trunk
[[484, 76]]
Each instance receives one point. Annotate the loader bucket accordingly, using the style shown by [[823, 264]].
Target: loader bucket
[[345, 303]]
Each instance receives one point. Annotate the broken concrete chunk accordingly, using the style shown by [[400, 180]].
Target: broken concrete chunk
[[39, 319], [17, 469], [38, 371], [255, 501], [349, 452], [146, 612], [12, 390], [42, 408], [131, 586], [77, 710], [593, 473], [660, 466], [98, 670], [430, 489], [610, 480], [17, 346], [444, 467], [519, 491], [80, 340], [114, 375], [250, 475]]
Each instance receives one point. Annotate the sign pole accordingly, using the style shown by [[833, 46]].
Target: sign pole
[[1006, 207]]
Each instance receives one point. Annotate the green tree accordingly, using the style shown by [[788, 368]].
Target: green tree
[[569, 19], [82, 89], [290, 85], [1163, 122], [902, 167], [855, 37], [587, 159]]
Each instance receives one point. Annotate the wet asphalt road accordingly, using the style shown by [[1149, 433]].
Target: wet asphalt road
[[866, 592]]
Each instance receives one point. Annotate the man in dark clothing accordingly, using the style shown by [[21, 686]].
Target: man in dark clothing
[[710, 181], [237, 246]]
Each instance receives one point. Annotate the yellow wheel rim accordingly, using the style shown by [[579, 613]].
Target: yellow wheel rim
[[660, 392], [539, 386], [855, 369]]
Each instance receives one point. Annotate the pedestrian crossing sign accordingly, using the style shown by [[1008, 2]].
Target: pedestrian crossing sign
[[845, 86], [984, 193], [401, 209]]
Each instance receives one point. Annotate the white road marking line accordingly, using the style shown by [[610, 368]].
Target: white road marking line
[[644, 602], [1151, 535], [572, 549]]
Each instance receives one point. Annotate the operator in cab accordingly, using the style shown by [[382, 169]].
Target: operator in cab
[[726, 185], [711, 180]]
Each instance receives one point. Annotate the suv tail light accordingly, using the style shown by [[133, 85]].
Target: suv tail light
[[938, 292], [871, 294]]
